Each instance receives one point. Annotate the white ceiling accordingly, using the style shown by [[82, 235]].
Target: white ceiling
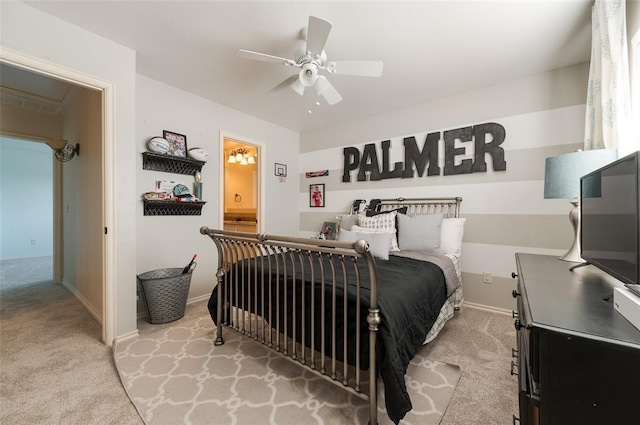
[[430, 49]]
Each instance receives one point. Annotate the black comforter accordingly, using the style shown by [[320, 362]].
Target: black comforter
[[410, 296]]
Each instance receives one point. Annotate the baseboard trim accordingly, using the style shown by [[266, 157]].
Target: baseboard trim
[[204, 297], [487, 308], [28, 257], [142, 313], [128, 335], [82, 300]]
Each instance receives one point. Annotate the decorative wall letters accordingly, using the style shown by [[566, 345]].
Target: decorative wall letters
[[367, 162]]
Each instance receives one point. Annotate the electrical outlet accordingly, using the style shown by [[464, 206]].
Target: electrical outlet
[[33, 241], [486, 277]]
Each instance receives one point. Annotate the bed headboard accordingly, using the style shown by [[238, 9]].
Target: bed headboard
[[449, 207]]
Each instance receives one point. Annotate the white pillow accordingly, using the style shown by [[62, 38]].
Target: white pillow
[[451, 235], [419, 233], [378, 242], [382, 222]]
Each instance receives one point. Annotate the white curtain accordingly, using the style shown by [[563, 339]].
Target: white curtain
[[608, 116]]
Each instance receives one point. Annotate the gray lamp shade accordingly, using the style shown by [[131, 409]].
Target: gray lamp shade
[[562, 173]]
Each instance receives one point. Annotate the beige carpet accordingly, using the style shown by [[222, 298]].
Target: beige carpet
[[54, 368], [177, 376]]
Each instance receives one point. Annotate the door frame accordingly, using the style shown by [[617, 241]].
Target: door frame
[[260, 211], [107, 88]]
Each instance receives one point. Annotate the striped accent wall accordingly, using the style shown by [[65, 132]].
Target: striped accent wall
[[543, 115]]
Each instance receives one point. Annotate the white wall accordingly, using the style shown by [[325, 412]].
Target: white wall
[[171, 241], [543, 116], [35, 33], [32, 32], [26, 202]]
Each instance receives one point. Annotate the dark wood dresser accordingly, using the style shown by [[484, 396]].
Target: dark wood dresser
[[577, 358]]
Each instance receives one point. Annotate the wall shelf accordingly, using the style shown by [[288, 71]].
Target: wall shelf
[[170, 164], [154, 207]]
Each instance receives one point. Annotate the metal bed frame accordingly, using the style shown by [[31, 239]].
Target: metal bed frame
[[245, 313]]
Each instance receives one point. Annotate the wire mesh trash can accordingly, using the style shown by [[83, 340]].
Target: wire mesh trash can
[[164, 294]]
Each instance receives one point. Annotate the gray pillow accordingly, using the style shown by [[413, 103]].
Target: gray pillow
[[348, 220], [378, 242], [419, 233]]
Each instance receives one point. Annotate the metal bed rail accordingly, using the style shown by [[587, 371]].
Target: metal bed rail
[[449, 207], [258, 273]]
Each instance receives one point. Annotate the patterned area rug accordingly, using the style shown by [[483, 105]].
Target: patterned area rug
[[177, 376]]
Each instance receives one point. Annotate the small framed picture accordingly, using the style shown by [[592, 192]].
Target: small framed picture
[[280, 170], [316, 195], [328, 230], [177, 143]]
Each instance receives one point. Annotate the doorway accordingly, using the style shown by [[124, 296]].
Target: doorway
[[241, 186], [99, 285]]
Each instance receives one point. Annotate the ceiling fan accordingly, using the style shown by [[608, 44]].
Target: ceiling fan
[[312, 59]]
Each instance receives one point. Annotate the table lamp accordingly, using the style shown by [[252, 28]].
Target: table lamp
[[562, 180]]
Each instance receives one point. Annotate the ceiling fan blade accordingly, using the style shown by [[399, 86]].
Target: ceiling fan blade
[[297, 86], [247, 54], [285, 84], [360, 68], [324, 88], [293, 82], [317, 34]]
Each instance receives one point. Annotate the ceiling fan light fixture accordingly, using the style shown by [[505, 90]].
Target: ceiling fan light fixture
[[309, 74], [312, 58]]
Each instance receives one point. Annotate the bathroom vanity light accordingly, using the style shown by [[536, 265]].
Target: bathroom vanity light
[[241, 156]]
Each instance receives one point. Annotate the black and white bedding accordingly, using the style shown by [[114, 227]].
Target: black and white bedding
[[418, 285], [411, 293]]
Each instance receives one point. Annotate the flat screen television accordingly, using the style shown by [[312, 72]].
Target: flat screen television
[[609, 231]]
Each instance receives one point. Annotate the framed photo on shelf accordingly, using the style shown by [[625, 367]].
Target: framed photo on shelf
[[177, 143], [328, 230], [316, 195]]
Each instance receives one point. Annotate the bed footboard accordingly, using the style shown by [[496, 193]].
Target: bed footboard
[[313, 301]]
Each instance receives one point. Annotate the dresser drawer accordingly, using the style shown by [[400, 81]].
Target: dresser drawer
[[527, 356]]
